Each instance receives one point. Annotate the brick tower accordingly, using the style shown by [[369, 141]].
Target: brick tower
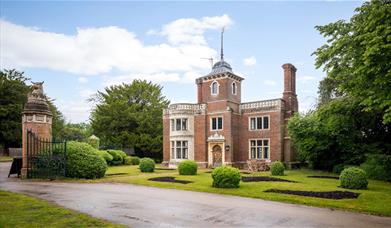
[[37, 117]]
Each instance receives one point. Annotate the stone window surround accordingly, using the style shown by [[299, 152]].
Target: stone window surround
[[234, 88], [259, 116], [173, 124], [263, 154], [217, 87], [217, 125], [173, 150]]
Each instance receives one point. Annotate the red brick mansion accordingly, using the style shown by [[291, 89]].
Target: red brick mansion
[[220, 129]]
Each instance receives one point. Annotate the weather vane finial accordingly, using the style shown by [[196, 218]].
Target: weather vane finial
[[222, 44]]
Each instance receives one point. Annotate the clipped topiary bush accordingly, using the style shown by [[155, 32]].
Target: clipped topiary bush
[[105, 155], [134, 160], [277, 168], [83, 161], [226, 177], [187, 168], [118, 158], [378, 167], [128, 160], [147, 165], [353, 178]]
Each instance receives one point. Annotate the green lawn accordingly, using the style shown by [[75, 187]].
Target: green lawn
[[5, 159], [17, 210], [375, 200]]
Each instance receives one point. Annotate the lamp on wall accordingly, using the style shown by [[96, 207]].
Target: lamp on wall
[[227, 147]]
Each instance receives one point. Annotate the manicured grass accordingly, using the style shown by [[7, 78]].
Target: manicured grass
[[5, 159], [375, 200], [17, 210]]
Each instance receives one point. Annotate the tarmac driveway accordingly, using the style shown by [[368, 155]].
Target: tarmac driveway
[[140, 206]]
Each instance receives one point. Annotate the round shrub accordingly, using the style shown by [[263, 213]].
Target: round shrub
[[123, 154], [353, 178], [226, 177], [128, 160], [134, 160], [187, 168], [117, 157], [147, 165], [277, 168], [105, 155], [83, 161]]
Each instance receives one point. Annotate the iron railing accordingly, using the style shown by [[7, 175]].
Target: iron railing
[[45, 158]]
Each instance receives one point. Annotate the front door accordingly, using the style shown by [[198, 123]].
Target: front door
[[217, 156]]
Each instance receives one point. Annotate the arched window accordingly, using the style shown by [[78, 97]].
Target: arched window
[[214, 88], [234, 88]]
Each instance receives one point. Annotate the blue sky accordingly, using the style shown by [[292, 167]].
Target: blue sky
[[78, 48]]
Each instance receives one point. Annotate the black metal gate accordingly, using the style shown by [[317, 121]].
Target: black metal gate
[[45, 158]]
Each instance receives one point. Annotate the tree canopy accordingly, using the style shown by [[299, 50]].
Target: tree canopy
[[351, 124], [76, 132], [357, 57], [130, 115], [13, 96], [339, 132]]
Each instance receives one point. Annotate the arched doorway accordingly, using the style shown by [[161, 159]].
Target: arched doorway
[[217, 156]]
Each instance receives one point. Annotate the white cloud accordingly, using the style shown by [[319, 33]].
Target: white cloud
[[82, 80], [97, 51], [112, 51], [270, 82], [250, 61], [191, 30], [75, 111], [306, 79], [86, 93], [128, 78]]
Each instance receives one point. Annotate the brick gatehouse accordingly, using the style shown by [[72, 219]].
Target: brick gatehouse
[[220, 129]]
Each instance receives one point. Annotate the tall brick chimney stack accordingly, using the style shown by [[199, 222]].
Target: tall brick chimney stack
[[289, 95], [199, 91]]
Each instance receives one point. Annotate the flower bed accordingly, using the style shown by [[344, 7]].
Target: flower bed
[[326, 195]]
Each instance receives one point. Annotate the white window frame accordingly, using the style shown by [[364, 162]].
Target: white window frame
[[173, 123], [234, 88], [217, 87], [183, 150], [256, 122], [217, 123], [262, 148]]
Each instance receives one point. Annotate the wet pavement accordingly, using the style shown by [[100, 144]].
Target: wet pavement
[[140, 206]]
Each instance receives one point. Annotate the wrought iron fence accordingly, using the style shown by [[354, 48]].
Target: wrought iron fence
[[45, 158]]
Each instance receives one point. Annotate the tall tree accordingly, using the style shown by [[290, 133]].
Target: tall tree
[[339, 132], [130, 115], [76, 132], [58, 120], [357, 57], [13, 95]]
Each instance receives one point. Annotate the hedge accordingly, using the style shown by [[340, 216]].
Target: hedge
[[83, 161]]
